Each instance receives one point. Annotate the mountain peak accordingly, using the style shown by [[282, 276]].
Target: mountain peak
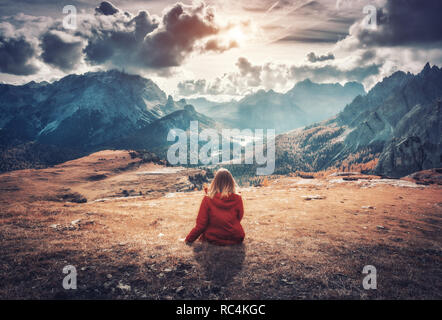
[[115, 75], [352, 84], [428, 69], [34, 84], [306, 81], [308, 84], [85, 110], [189, 108]]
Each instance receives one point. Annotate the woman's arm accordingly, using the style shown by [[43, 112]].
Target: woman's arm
[[240, 209], [201, 222]]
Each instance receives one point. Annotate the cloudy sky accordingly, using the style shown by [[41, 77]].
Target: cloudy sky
[[220, 48]]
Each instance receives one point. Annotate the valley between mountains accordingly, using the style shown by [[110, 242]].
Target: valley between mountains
[[393, 130]]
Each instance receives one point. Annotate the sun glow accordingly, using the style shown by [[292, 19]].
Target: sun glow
[[237, 34]]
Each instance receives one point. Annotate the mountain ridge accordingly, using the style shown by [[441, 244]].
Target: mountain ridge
[[362, 132], [75, 115], [111, 109], [305, 103], [84, 110]]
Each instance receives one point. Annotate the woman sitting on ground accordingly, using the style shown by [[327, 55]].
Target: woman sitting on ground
[[220, 213]]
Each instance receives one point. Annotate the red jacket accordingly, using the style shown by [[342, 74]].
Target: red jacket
[[218, 221]]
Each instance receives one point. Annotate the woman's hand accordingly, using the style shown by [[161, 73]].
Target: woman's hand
[[186, 242]]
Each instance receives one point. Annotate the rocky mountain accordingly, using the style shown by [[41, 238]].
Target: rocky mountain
[[48, 123], [307, 102], [398, 123], [81, 111], [393, 130], [206, 106], [154, 136], [415, 145], [263, 110], [323, 100]]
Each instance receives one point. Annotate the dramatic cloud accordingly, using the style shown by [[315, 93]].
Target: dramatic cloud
[[18, 44], [116, 39], [216, 46], [177, 37], [318, 22], [331, 34], [268, 76], [41, 7], [333, 73], [111, 37], [106, 8], [250, 73], [391, 35], [250, 77], [312, 57], [192, 87], [144, 24], [314, 36], [16, 56], [228, 84], [403, 22], [148, 42], [61, 50]]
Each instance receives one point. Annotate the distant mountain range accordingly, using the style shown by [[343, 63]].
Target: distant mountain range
[[76, 115], [154, 136], [396, 126], [82, 111], [305, 103]]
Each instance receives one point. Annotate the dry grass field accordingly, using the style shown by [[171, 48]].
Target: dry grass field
[[305, 238]]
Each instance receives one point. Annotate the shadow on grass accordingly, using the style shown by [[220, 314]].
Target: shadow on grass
[[220, 263]]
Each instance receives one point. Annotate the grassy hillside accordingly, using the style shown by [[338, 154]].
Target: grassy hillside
[[305, 238]]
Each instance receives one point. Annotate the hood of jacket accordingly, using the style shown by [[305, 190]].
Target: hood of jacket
[[226, 202]]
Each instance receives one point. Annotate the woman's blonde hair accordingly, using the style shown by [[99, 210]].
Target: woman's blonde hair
[[223, 183]]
